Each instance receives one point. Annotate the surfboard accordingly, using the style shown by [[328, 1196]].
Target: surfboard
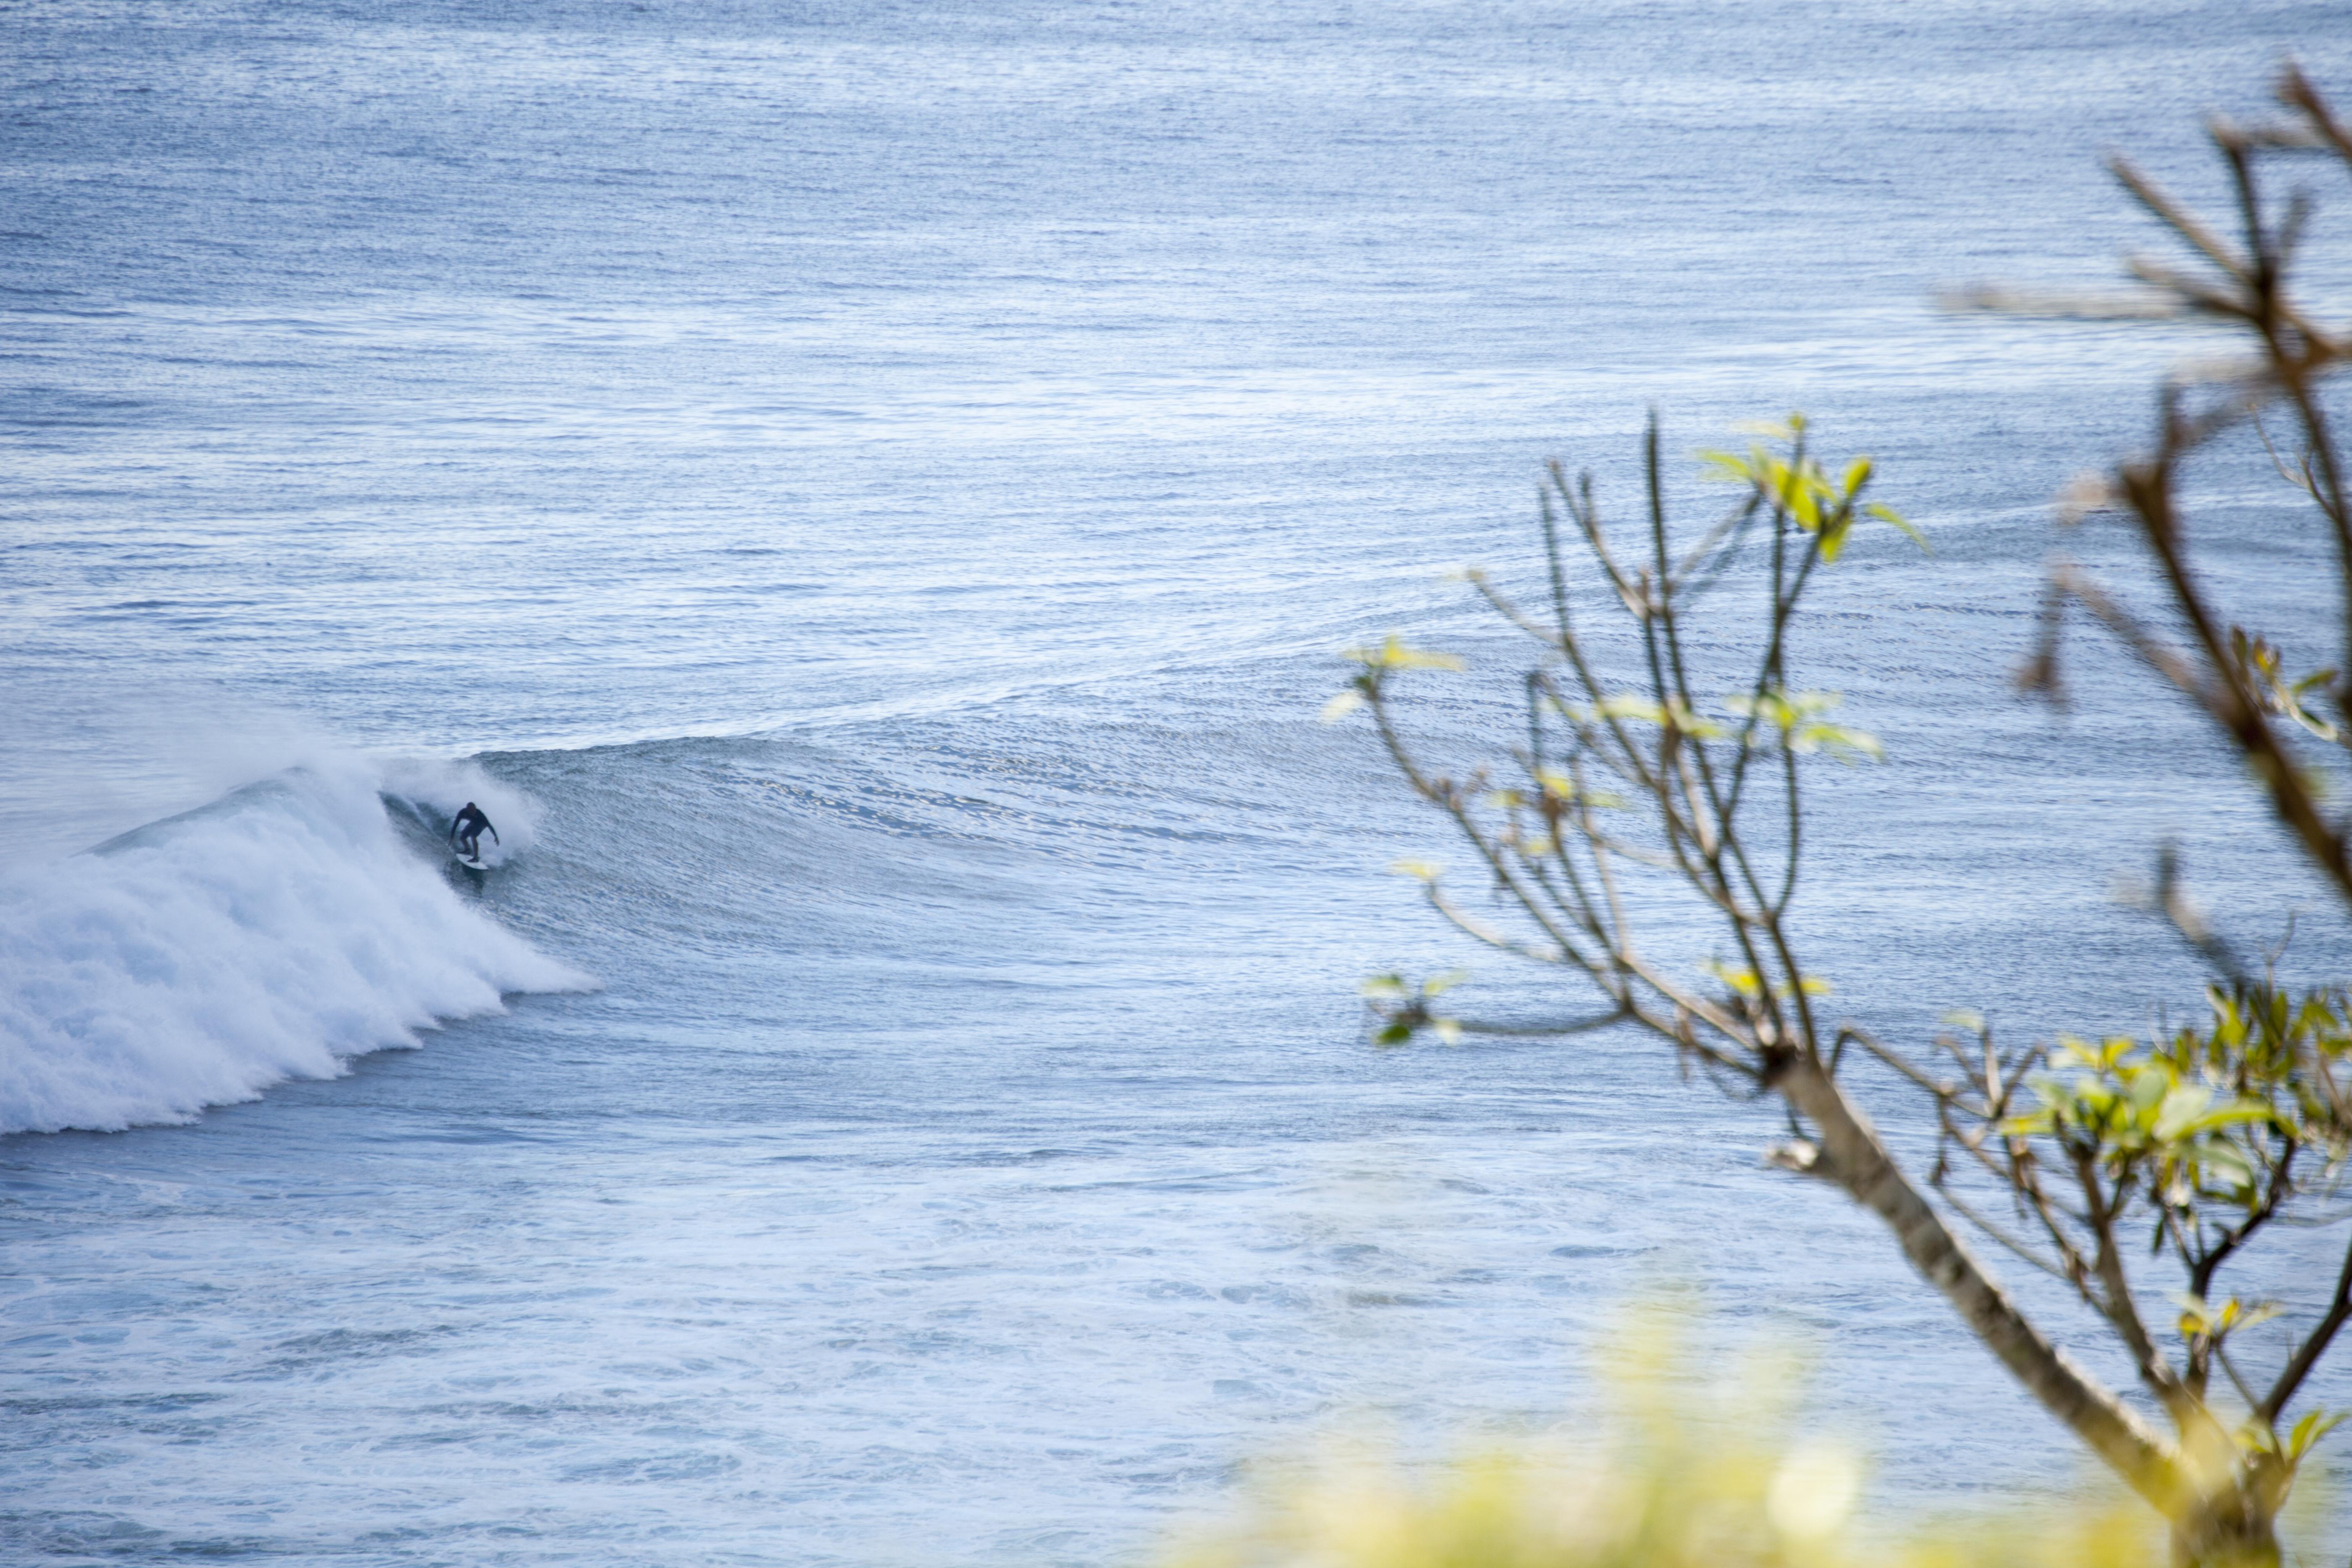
[[471, 864]]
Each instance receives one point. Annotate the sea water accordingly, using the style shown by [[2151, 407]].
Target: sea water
[[869, 499]]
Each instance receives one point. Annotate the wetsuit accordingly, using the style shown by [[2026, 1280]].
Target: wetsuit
[[468, 831]]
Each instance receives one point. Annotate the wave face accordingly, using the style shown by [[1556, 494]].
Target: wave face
[[277, 934]]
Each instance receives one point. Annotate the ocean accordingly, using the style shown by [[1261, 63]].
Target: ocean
[[870, 499]]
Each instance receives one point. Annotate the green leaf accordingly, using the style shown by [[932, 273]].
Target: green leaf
[[1564, 790], [1742, 982], [1393, 654], [1629, 705], [1843, 745], [2220, 1158], [1888, 514], [1798, 489], [2308, 1431], [2238, 1315], [1339, 707], [1833, 538], [1726, 468], [1646, 711], [2151, 1086], [2232, 1115]]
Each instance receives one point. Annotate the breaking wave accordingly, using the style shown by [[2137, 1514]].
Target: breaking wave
[[276, 933]]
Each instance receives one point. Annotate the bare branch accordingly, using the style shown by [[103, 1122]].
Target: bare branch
[[2016, 1246], [2308, 1355], [2176, 217], [1547, 1031]]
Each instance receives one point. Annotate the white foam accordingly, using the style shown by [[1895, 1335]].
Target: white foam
[[446, 787], [274, 934]]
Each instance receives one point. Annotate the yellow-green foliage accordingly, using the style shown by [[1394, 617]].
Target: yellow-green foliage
[[1727, 1512], [1656, 1488]]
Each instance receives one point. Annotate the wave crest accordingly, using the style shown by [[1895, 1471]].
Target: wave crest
[[274, 934]]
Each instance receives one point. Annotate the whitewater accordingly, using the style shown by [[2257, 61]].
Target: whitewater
[[870, 499], [275, 934]]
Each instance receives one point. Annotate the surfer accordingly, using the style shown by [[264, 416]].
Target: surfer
[[468, 830]]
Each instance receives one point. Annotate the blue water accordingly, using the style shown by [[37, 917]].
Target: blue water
[[870, 498]]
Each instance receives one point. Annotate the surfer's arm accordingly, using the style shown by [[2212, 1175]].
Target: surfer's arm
[[494, 835]]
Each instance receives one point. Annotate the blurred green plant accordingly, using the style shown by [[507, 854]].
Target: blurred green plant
[[1673, 1476], [1653, 764]]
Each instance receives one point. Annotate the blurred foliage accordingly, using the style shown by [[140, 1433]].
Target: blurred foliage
[[1674, 1475]]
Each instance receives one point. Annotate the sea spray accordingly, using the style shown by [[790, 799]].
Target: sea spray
[[431, 792], [275, 934]]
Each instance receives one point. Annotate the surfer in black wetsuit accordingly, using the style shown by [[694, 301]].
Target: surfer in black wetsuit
[[468, 830]]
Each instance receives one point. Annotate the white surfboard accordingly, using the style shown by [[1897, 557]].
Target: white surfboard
[[474, 865]]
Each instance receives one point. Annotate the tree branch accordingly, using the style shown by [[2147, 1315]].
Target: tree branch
[[2307, 1356], [1860, 1163]]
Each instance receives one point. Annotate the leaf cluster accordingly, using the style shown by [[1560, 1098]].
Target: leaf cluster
[[1687, 1471], [2201, 1137]]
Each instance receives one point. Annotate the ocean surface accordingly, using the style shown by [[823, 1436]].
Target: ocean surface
[[869, 499]]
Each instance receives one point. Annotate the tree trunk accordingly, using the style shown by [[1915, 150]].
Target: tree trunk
[[1856, 1160], [2231, 1540], [2216, 1522]]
